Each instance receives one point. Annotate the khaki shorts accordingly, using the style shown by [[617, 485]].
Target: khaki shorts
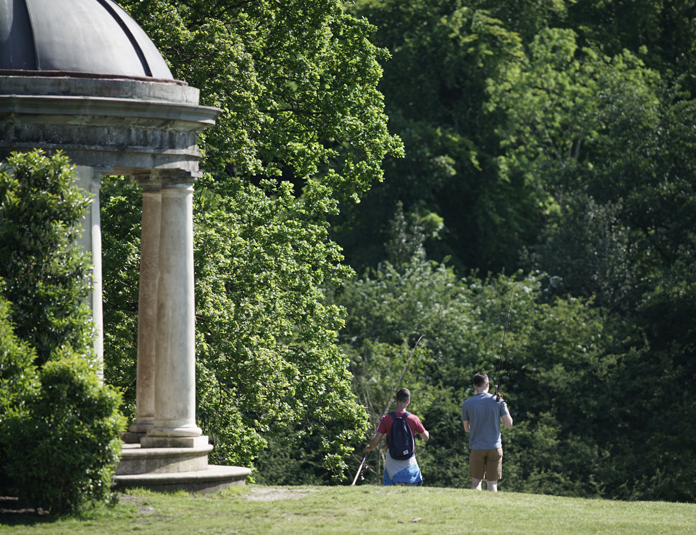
[[489, 462]]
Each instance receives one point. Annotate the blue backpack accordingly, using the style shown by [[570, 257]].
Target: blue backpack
[[400, 438]]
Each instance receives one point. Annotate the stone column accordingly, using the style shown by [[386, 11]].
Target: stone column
[[147, 309], [175, 379], [97, 288], [89, 179]]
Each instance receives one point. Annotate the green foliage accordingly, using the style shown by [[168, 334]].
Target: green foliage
[[444, 55], [46, 277], [17, 373], [59, 426], [121, 201], [555, 106], [59, 452], [496, 102], [659, 30], [18, 381], [284, 462], [623, 233], [588, 250], [267, 357], [296, 81]]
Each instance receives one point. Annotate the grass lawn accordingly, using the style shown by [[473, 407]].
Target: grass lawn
[[362, 509]]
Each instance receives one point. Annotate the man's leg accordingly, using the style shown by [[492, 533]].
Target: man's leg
[[494, 468], [477, 466]]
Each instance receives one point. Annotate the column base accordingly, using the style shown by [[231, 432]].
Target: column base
[[136, 431], [129, 437], [174, 429], [150, 441], [138, 460]]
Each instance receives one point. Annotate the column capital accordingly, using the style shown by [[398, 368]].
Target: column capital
[[156, 179], [176, 178], [148, 181], [101, 171]]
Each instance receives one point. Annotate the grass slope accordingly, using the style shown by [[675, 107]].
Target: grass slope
[[363, 510]]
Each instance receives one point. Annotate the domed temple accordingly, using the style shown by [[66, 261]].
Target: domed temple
[[81, 76]]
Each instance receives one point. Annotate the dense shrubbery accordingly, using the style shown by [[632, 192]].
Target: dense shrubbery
[[60, 443], [58, 425], [46, 276]]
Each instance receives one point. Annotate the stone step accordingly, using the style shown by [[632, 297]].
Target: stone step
[[212, 479], [138, 460]]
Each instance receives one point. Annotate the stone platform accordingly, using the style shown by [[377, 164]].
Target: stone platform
[[171, 469], [212, 479]]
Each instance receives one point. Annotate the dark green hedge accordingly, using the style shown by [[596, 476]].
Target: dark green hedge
[[59, 425]]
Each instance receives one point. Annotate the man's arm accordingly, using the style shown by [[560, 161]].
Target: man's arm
[[467, 427], [425, 435], [375, 442], [506, 420]]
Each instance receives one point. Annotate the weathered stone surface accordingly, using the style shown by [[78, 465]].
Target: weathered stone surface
[[75, 84], [174, 442], [213, 479], [175, 379], [147, 308], [131, 126], [139, 460]]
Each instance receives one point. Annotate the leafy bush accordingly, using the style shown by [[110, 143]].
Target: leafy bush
[[47, 278], [59, 425], [17, 372], [59, 452], [17, 380]]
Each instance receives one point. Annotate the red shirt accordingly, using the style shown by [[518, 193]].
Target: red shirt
[[413, 422]]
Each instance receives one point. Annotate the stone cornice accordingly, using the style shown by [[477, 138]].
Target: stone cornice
[[129, 125], [88, 110]]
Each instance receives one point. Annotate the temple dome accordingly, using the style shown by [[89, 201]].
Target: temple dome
[[94, 37]]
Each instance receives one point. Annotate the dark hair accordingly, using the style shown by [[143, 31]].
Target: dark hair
[[403, 395], [480, 379]]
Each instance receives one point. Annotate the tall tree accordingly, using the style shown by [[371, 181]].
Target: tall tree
[[445, 54]]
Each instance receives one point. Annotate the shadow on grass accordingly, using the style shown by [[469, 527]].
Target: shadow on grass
[[13, 513]]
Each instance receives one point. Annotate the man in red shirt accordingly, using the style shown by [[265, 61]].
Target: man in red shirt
[[400, 471]]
